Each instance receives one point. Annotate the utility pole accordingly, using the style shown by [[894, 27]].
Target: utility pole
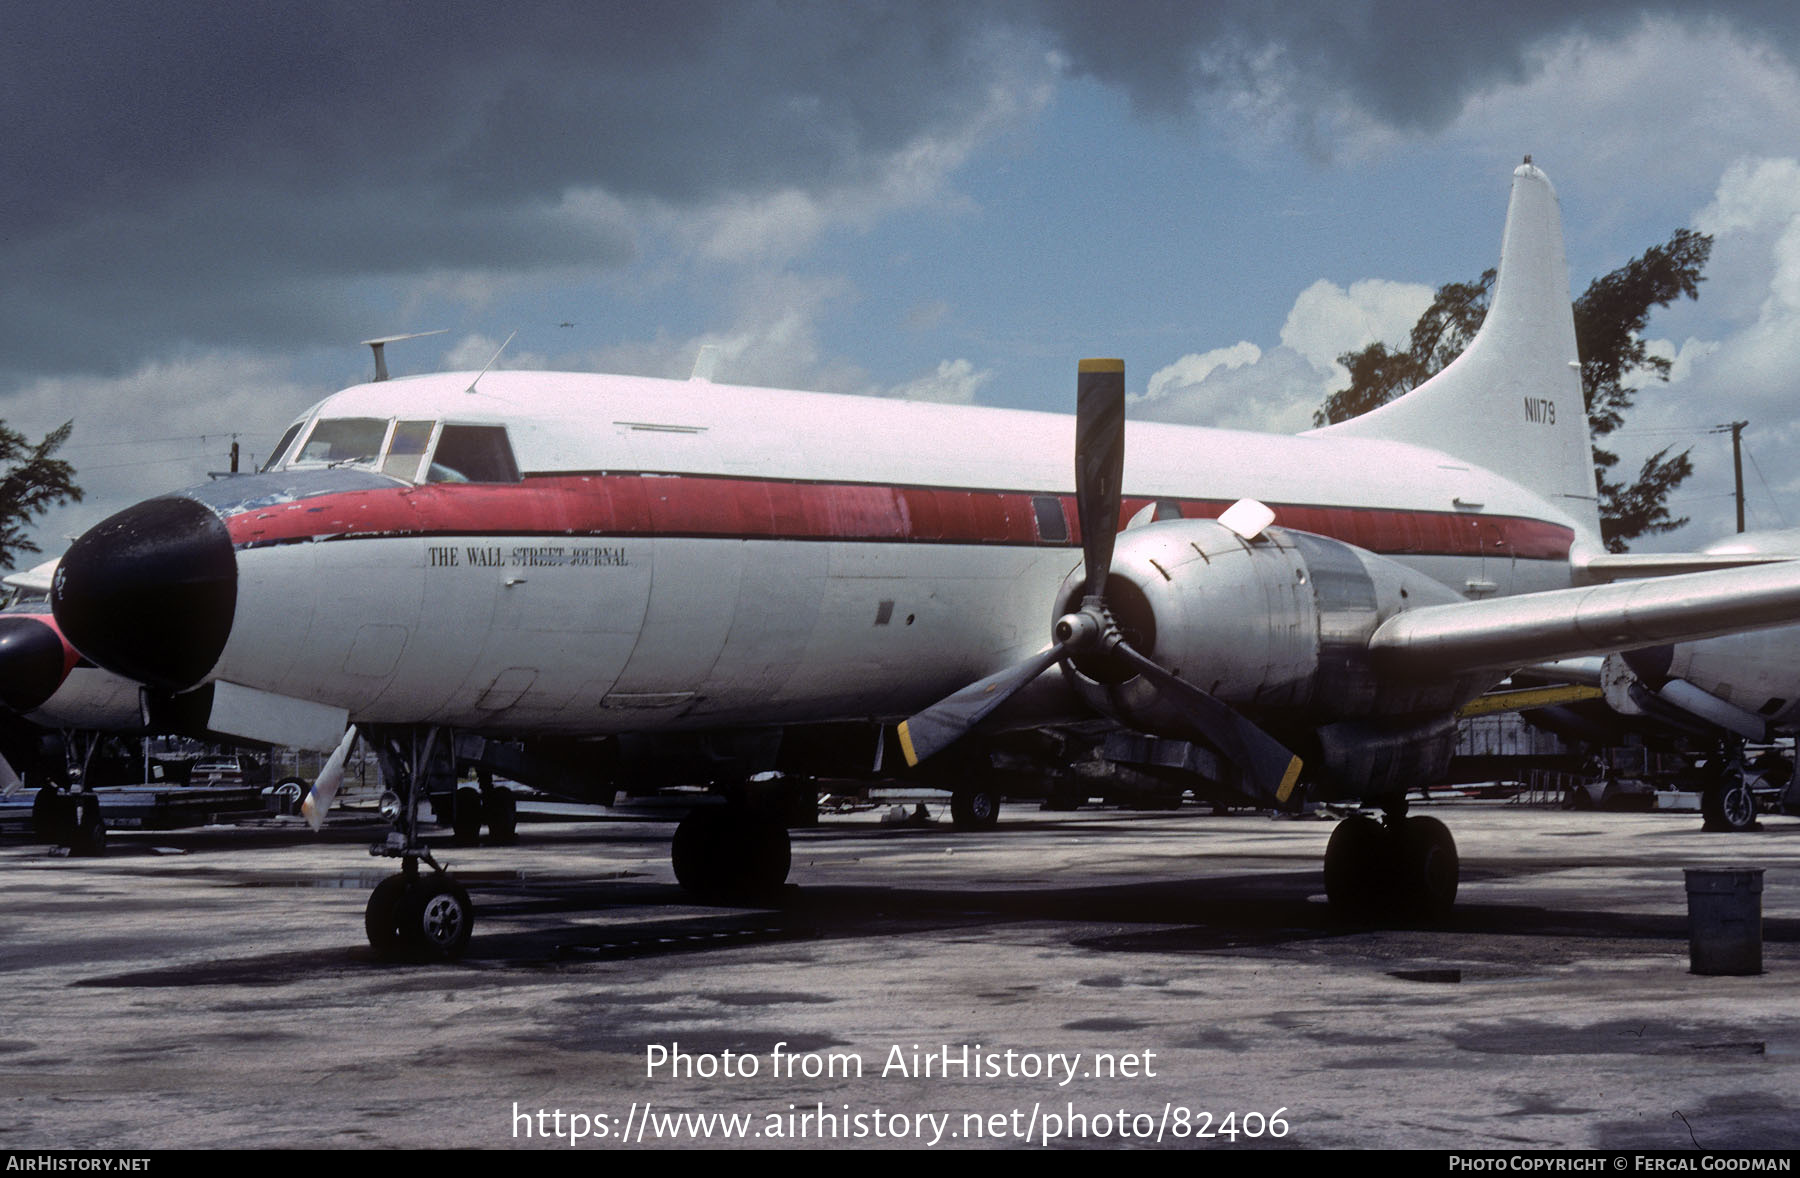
[[1737, 467]]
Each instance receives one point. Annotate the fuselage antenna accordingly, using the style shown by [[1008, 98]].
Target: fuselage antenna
[[490, 363], [380, 348]]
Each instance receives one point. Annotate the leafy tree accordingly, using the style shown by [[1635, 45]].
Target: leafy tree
[[34, 482], [1610, 317], [1377, 375]]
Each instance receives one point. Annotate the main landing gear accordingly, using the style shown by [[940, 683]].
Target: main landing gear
[[494, 805], [740, 849], [415, 914], [731, 850], [1398, 868], [975, 808], [1728, 802]]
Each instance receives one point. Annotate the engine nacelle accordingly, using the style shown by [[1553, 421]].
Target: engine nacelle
[[1277, 627]]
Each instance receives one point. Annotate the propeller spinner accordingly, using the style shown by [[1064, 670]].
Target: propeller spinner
[[1090, 630]]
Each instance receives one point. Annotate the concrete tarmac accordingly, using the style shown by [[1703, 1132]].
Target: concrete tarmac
[[1100, 978]]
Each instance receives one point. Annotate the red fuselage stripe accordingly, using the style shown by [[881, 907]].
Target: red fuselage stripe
[[613, 504]]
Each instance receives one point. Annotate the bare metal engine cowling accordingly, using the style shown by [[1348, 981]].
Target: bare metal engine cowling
[[1278, 628]]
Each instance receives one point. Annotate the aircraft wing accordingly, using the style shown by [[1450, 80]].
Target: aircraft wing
[[1507, 632], [1619, 566]]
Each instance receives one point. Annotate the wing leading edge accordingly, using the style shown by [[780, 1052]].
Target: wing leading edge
[[1502, 633]]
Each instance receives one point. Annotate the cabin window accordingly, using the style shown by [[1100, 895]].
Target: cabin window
[[1052, 524], [473, 454], [287, 439], [406, 449], [334, 441]]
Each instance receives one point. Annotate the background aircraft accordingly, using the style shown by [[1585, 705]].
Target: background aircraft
[[1705, 701], [565, 577]]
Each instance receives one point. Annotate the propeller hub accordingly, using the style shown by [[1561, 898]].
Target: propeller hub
[[1086, 629]]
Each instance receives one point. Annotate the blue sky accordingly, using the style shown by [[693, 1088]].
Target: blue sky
[[949, 201]]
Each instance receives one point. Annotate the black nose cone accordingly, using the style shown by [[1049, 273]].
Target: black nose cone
[[150, 592], [33, 662]]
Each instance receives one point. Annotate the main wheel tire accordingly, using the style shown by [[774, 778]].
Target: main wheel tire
[[465, 818], [765, 854], [1357, 868], [87, 829], [1729, 804], [436, 918], [698, 852], [975, 809], [721, 853], [50, 817], [501, 810], [381, 919], [1428, 869]]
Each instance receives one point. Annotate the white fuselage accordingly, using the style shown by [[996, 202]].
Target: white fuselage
[[688, 555]]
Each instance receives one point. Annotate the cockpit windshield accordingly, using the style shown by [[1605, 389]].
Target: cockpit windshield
[[412, 451], [343, 440], [281, 447]]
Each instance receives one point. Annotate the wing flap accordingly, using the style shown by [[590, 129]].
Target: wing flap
[[1620, 566]]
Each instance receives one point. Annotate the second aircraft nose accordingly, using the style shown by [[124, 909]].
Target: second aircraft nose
[[150, 593], [33, 662]]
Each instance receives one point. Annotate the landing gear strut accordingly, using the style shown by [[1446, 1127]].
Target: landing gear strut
[[415, 914], [1400, 868]]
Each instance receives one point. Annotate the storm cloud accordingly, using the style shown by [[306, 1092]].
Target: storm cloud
[[195, 174]]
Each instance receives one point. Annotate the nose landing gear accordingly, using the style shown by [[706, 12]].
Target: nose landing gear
[[414, 914]]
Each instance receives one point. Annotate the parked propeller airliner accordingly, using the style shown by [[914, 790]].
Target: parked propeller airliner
[[554, 572]]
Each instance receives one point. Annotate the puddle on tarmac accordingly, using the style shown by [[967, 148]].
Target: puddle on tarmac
[[365, 880]]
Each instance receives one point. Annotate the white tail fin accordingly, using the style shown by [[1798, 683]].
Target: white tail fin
[[1512, 401]]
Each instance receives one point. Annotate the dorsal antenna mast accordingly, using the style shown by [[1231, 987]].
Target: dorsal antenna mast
[[379, 347], [490, 363]]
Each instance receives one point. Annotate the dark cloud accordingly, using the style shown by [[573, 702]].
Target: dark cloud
[[477, 101], [1410, 64], [187, 149], [195, 172]]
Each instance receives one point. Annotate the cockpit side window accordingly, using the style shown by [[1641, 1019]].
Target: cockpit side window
[[343, 440], [406, 449], [473, 454], [281, 447]]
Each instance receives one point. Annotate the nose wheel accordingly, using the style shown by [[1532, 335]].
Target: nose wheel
[[421, 916]]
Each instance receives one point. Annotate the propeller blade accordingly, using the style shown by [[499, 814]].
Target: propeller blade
[[318, 799], [1099, 464], [1269, 768], [944, 722], [1099, 470]]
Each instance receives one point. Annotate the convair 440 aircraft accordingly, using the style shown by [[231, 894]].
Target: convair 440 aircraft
[[555, 567]]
